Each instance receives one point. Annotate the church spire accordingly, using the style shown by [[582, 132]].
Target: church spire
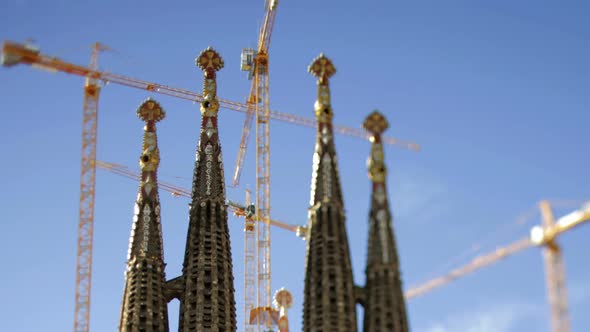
[[207, 293], [329, 299], [325, 184], [144, 304], [385, 307]]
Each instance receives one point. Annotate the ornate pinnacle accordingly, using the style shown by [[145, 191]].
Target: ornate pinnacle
[[376, 124], [323, 69], [151, 112], [209, 61]]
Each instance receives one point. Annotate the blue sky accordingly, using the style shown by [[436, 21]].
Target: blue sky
[[495, 92]]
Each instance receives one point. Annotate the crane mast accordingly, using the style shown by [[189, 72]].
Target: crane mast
[[263, 182], [555, 275], [257, 270], [87, 193]]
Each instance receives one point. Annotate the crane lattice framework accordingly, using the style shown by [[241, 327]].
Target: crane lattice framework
[[545, 236], [16, 53], [257, 271], [87, 194]]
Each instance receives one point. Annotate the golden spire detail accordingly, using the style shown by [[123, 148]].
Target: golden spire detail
[[376, 124], [322, 68], [151, 112], [209, 61]]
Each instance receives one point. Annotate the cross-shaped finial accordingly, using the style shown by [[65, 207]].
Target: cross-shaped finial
[[150, 111], [209, 60], [322, 68], [375, 123]]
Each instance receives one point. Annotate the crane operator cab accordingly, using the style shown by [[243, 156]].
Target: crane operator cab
[[250, 211]]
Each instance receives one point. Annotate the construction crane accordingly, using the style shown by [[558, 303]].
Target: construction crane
[[87, 179], [16, 53], [545, 236], [257, 272], [87, 194]]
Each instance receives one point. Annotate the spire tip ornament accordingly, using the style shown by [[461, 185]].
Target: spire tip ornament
[[376, 124], [150, 110], [209, 59], [322, 68]]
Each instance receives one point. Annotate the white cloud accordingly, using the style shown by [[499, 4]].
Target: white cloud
[[497, 318]]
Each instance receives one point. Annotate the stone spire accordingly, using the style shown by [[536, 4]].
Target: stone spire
[[207, 292], [329, 299], [385, 307], [144, 304]]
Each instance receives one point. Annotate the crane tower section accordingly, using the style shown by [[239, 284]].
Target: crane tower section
[[257, 276]]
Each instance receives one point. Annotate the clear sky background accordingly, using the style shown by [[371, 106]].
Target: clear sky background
[[496, 93]]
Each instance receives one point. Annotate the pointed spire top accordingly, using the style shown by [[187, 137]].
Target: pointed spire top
[[150, 111], [322, 68], [375, 123], [209, 61]]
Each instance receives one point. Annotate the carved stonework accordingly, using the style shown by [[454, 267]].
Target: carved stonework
[[329, 298], [144, 300], [384, 302], [206, 288]]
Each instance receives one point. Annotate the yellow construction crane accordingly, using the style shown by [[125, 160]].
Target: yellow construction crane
[[87, 194], [16, 53], [257, 272], [13, 54], [545, 236]]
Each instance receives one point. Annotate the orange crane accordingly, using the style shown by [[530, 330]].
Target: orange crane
[[16, 53], [87, 176], [544, 236], [87, 194], [257, 272]]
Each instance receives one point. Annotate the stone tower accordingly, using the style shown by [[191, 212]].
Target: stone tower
[[329, 299], [385, 307], [144, 303], [207, 284]]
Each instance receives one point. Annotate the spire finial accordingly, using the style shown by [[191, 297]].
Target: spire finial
[[376, 124], [322, 68], [209, 61], [151, 112]]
